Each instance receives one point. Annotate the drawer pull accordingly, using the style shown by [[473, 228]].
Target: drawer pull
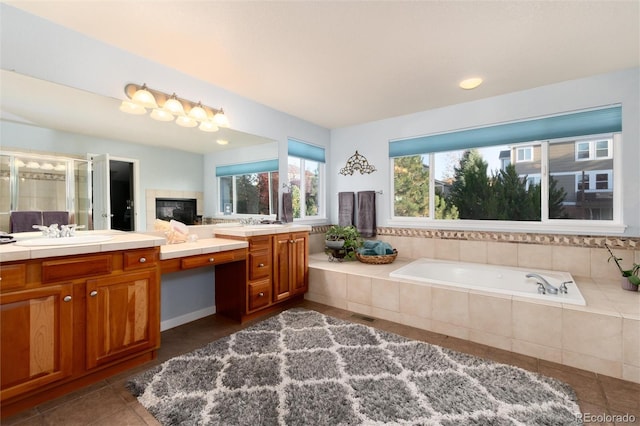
[[67, 299], [143, 259], [94, 293], [260, 265], [261, 294], [211, 260]]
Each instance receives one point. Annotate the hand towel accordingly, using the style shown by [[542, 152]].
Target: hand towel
[[346, 208], [367, 213], [287, 207], [24, 221], [51, 217]]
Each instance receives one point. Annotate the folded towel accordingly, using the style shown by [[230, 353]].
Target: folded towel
[[51, 217], [24, 221], [346, 208], [375, 248], [367, 213], [287, 207]]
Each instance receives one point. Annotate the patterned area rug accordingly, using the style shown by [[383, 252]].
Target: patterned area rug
[[305, 368]]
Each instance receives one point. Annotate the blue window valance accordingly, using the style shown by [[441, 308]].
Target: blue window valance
[[605, 120], [305, 150], [247, 168]]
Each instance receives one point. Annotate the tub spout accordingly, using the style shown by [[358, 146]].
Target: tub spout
[[547, 286]]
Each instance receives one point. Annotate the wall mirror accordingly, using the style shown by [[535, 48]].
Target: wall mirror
[[31, 101]]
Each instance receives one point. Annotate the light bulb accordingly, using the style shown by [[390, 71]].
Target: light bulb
[[173, 105], [198, 113], [161, 115], [186, 121], [221, 119], [208, 126], [131, 108], [144, 98]]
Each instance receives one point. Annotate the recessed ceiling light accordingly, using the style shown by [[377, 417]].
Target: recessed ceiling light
[[470, 83], [222, 142]]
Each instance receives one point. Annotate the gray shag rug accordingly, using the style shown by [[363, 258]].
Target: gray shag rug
[[305, 368]]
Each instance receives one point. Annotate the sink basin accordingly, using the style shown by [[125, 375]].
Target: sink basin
[[65, 241]]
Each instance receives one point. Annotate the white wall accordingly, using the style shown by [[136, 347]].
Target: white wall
[[372, 139]]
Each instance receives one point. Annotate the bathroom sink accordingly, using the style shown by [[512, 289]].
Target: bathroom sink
[[64, 241]]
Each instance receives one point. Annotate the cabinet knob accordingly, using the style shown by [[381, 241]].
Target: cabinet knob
[[67, 299], [94, 293], [260, 265], [291, 241], [211, 259], [259, 294], [143, 259]]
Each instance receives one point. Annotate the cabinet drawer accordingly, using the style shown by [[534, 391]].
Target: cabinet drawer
[[68, 269], [207, 259], [137, 259], [259, 265], [262, 242], [259, 294], [13, 276]]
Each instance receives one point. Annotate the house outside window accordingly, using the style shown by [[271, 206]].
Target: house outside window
[[593, 149], [524, 153]]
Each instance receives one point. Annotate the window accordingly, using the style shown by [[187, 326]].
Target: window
[[549, 179], [524, 154], [306, 179], [248, 188], [593, 150]]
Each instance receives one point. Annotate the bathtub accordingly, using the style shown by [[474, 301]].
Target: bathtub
[[489, 278]]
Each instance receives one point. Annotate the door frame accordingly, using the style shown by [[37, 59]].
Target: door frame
[[137, 198]]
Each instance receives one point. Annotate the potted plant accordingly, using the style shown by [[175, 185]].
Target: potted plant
[[343, 238], [630, 278]]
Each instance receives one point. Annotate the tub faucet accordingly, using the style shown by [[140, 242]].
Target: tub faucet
[[544, 286]]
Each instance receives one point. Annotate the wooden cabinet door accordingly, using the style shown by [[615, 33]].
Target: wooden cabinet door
[[299, 263], [290, 275], [281, 258], [122, 316], [36, 338]]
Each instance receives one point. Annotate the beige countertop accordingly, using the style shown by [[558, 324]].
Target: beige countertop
[[119, 240], [207, 242], [253, 230], [201, 246]]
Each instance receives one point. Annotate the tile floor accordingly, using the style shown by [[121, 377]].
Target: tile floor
[[109, 403]]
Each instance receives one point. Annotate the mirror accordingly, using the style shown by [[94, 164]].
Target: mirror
[[50, 105]]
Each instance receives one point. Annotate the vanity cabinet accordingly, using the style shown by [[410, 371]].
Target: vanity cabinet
[[68, 321], [276, 272]]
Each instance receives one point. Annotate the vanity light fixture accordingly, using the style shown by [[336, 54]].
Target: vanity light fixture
[[166, 107], [470, 83]]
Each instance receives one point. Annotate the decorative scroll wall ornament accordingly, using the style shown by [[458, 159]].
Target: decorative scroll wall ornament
[[357, 162]]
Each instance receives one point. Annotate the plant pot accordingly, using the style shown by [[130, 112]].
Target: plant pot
[[338, 244], [627, 285]]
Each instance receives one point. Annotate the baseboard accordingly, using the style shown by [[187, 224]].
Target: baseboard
[[183, 319]]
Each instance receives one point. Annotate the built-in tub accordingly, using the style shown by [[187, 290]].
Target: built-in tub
[[490, 278]]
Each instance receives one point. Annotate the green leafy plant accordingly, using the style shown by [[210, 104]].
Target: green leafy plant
[[630, 274], [349, 234]]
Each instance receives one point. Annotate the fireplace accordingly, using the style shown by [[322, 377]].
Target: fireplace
[[180, 209]]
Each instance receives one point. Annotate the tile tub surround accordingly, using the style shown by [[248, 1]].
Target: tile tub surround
[[602, 337]]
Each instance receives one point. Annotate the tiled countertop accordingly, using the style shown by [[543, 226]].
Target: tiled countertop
[[253, 230], [201, 246], [120, 241]]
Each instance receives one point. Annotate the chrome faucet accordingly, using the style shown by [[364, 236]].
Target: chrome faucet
[[544, 286]]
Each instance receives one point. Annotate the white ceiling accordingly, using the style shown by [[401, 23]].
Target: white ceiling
[[340, 63]]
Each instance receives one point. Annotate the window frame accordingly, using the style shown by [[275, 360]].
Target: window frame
[[526, 149], [562, 226], [593, 151], [234, 212], [321, 189]]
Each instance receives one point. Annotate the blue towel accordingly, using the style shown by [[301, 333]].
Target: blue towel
[[375, 248]]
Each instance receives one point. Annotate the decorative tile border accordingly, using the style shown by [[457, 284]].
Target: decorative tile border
[[588, 241]]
